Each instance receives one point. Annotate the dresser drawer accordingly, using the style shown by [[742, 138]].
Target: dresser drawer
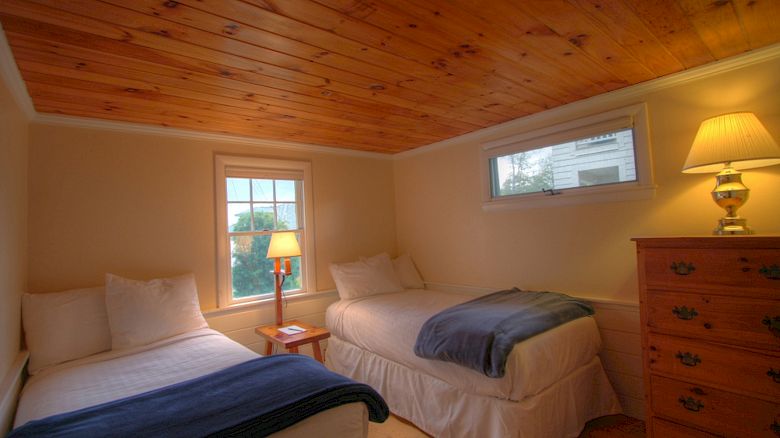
[[713, 410], [744, 272], [740, 370], [741, 321], [667, 429]]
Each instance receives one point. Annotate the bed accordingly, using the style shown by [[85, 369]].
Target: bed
[[86, 384], [554, 381]]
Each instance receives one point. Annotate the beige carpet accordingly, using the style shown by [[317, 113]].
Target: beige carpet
[[612, 426]]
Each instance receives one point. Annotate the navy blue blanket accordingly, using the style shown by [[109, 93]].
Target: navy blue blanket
[[481, 333], [254, 398]]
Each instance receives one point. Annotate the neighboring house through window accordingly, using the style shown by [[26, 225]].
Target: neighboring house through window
[[256, 197]]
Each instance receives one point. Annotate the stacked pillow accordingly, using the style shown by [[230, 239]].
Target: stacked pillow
[[375, 275], [76, 323]]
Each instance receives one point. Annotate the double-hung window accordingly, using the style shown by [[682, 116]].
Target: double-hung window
[[599, 158], [255, 198]]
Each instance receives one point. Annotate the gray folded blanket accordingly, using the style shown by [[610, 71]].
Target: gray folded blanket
[[481, 333]]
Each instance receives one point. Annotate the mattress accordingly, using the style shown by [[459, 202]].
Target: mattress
[[118, 374], [387, 325], [444, 411]]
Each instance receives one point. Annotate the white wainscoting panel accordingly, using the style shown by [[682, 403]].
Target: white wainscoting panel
[[9, 391], [239, 324], [621, 353]]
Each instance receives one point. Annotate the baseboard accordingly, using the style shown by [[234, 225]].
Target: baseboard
[[11, 386]]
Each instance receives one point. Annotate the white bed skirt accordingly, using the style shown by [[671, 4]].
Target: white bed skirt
[[443, 411]]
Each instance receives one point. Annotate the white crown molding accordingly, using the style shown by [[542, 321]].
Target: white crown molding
[[10, 74], [127, 127], [617, 97]]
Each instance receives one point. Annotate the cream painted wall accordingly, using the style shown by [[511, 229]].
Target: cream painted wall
[[142, 206], [583, 250], [13, 225]]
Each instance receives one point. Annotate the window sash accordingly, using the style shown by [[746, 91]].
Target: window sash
[[496, 182], [554, 131], [227, 166]]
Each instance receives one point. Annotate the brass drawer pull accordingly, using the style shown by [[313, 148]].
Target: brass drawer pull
[[775, 375], [773, 324], [684, 313], [688, 359], [682, 268], [774, 427], [770, 272], [691, 403]]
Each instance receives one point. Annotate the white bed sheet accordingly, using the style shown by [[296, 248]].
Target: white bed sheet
[[118, 374], [445, 411], [388, 324]]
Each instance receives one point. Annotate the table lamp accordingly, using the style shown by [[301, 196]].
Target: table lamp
[[283, 246], [727, 144]]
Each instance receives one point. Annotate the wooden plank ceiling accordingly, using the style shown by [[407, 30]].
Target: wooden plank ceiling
[[372, 75]]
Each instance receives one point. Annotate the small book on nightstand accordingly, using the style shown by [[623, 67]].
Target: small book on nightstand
[[291, 330]]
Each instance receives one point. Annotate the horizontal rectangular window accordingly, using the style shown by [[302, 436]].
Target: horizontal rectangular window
[[598, 158], [568, 165]]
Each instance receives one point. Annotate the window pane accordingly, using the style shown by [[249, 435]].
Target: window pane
[[286, 216], [602, 175], [238, 217], [604, 159], [250, 269], [525, 172], [263, 190], [285, 190], [264, 217], [237, 189]]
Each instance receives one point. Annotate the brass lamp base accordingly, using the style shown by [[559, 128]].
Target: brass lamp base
[[730, 194], [732, 225]]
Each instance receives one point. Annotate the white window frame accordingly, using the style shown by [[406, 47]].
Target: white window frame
[[261, 168], [634, 116]]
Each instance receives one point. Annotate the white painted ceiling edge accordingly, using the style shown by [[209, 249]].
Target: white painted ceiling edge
[[10, 74]]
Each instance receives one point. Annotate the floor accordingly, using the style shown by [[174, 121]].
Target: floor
[[612, 426]]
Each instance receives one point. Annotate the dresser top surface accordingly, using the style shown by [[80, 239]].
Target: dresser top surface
[[753, 241]]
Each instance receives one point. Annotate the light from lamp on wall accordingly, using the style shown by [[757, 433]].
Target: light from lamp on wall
[[727, 144], [283, 246]]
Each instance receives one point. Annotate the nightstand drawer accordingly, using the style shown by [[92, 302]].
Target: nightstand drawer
[[667, 429], [741, 370], [743, 272], [716, 411], [742, 321]]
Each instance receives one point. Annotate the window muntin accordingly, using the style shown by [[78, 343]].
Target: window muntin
[[256, 197], [559, 166]]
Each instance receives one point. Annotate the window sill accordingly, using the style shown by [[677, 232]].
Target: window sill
[[269, 301], [627, 192]]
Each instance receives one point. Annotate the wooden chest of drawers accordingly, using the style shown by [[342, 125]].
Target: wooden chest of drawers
[[710, 311]]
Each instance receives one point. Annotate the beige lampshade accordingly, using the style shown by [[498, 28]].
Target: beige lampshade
[[283, 244], [736, 138]]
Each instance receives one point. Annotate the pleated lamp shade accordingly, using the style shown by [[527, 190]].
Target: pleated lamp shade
[[736, 138]]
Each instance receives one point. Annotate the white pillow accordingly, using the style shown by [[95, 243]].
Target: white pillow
[[64, 326], [370, 276], [407, 273], [141, 312]]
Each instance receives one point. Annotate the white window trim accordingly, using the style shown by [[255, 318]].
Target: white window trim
[[643, 188], [221, 163]]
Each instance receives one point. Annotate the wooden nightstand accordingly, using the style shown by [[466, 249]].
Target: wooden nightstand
[[313, 335]]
